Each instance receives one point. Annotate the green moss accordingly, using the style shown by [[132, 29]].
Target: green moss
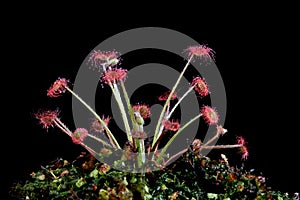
[[190, 177]]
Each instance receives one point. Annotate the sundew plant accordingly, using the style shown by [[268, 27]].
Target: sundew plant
[[135, 150], [142, 167]]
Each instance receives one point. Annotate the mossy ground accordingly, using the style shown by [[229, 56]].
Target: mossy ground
[[190, 177]]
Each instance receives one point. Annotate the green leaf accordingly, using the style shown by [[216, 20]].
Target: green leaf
[[80, 182], [212, 196], [94, 173], [103, 194]]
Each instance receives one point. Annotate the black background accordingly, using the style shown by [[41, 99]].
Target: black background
[[254, 57]]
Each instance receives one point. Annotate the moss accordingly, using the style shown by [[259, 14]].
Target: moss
[[190, 177]]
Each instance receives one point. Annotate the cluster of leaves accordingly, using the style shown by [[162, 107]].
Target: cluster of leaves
[[190, 177]]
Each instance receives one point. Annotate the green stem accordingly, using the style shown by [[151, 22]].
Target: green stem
[[63, 127], [141, 148], [138, 142], [89, 149], [211, 139], [129, 107], [96, 115], [167, 102], [179, 101], [99, 140], [175, 156], [117, 95], [172, 111], [175, 135]]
